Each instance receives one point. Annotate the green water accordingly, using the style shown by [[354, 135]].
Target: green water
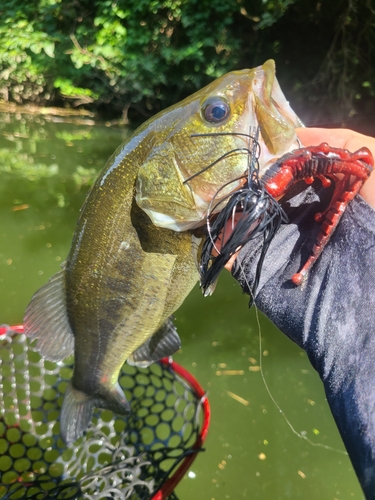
[[251, 452]]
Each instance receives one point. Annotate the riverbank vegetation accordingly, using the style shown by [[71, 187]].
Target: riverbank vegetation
[[134, 57]]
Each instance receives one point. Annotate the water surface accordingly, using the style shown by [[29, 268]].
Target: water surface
[[46, 168]]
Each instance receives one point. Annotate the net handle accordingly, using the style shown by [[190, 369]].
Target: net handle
[[166, 489]]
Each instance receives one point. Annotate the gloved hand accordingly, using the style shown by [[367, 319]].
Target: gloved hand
[[332, 314]]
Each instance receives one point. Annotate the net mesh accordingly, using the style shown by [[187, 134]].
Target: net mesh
[[138, 457]]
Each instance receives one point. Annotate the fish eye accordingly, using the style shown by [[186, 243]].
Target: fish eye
[[215, 110]]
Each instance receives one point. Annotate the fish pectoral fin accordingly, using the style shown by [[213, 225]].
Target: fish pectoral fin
[[163, 343], [77, 409], [46, 319]]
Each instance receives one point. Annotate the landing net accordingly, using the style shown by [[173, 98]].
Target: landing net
[[142, 456]]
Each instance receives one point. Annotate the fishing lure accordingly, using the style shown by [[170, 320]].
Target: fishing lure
[[253, 210], [325, 163], [248, 212]]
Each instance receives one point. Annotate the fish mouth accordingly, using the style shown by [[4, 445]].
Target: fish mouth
[[270, 110], [249, 212]]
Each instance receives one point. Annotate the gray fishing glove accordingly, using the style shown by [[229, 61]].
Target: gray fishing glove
[[331, 315]]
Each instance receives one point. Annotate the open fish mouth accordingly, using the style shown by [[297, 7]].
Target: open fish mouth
[[249, 212]]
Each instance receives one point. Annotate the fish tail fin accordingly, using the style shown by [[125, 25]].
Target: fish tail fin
[[78, 407], [46, 319], [76, 414]]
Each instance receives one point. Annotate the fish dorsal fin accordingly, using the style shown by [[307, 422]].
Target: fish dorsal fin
[[163, 343], [46, 319]]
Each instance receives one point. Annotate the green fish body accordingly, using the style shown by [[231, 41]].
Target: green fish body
[[133, 257]]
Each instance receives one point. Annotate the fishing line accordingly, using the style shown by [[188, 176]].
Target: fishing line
[[222, 157], [302, 434]]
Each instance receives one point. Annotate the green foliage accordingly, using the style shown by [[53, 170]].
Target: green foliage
[[149, 53], [22, 54], [117, 52], [67, 89], [273, 11]]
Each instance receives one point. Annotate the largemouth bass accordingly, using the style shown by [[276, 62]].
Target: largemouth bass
[[132, 261]]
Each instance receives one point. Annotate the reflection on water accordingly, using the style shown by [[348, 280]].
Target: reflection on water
[[46, 169]]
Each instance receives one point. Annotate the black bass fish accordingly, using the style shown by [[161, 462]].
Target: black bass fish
[[133, 256]]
